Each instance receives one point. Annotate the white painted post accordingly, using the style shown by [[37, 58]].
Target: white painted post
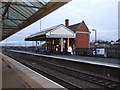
[[61, 44]]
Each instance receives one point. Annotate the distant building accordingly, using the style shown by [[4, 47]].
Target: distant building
[[101, 44], [60, 37], [117, 43]]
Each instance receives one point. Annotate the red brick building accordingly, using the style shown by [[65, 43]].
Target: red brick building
[[82, 34], [60, 37]]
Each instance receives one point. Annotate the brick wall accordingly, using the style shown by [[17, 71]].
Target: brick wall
[[82, 36], [82, 40]]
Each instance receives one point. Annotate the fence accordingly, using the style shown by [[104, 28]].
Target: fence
[[84, 51], [111, 52]]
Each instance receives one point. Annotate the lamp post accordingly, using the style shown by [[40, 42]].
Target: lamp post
[[95, 41]]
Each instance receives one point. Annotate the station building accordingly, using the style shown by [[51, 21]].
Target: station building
[[58, 38]]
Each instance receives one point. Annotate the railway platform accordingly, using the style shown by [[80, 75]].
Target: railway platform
[[16, 75], [94, 60], [109, 62], [99, 59], [10, 79]]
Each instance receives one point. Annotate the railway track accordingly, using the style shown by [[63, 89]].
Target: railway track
[[93, 79], [61, 81]]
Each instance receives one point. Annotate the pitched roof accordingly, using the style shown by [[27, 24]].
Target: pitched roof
[[74, 27], [43, 32]]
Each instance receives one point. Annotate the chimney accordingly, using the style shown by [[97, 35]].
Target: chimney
[[66, 22]]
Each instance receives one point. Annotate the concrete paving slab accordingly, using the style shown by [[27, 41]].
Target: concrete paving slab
[[10, 79], [34, 79]]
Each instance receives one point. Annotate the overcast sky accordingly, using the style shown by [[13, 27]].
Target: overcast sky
[[101, 15]]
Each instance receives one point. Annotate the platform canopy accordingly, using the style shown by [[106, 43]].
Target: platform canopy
[[58, 31], [18, 14]]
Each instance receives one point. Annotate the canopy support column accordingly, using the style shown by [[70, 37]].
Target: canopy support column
[[68, 42], [61, 44]]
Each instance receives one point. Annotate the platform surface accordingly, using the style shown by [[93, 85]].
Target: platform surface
[[16, 75], [10, 79], [100, 59]]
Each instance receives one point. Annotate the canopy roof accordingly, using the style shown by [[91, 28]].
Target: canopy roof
[[58, 31], [42, 33], [18, 15]]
